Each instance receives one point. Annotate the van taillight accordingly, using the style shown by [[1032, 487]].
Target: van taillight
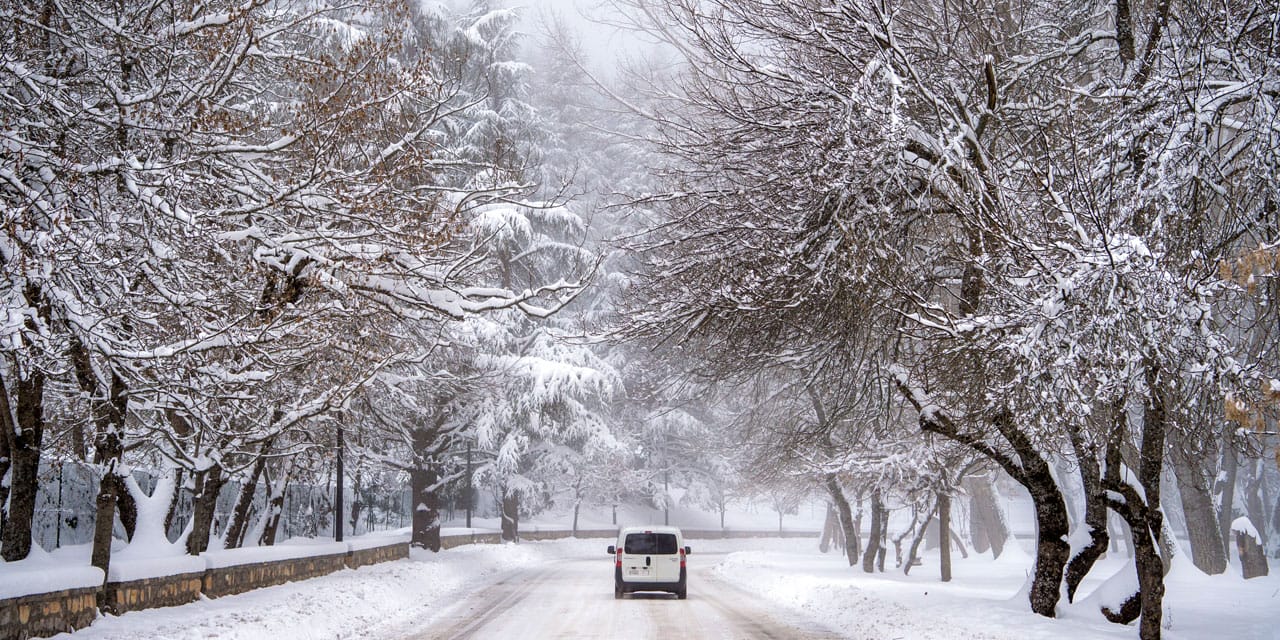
[[619, 560], [682, 558]]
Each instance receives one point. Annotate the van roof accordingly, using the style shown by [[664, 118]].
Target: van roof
[[651, 528]]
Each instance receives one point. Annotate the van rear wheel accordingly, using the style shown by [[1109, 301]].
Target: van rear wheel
[[617, 591]]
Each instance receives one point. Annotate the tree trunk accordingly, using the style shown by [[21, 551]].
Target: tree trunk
[[24, 483], [204, 506], [510, 516], [181, 427], [883, 548], [828, 529], [6, 461], [357, 505], [1150, 584], [103, 523], [275, 505], [24, 446], [426, 507], [108, 408], [1095, 518], [240, 516], [944, 525], [986, 520], [857, 530], [1253, 562], [977, 532], [113, 494], [1052, 549], [846, 519], [897, 540], [1031, 471], [1151, 567], [913, 552], [1226, 488], [959, 544], [173, 501], [1095, 504], [1142, 510], [1275, 515], [1207, 549], [1254, 481], [875, 537]]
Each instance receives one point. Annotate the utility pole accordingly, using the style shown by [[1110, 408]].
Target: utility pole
[[468, 497], [666, 480], [337, 494], [666, 497]]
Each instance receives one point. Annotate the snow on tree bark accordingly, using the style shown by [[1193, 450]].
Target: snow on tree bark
[[1253, 561]]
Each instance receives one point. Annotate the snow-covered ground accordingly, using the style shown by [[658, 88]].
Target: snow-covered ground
[[985, 599], [385, 601], [400, 599]]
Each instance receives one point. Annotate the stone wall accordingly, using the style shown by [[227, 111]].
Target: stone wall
[[47, 614], [225, 581], [449, 542], [374, 555], [166, 591]]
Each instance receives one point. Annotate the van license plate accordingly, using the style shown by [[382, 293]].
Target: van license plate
[[638, 571]]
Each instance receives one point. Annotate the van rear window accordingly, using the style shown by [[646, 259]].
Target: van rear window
[[650, 543]]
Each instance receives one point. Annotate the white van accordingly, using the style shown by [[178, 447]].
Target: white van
[[650, 559]]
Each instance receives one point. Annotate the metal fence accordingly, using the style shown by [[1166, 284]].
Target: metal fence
[[66, 511]]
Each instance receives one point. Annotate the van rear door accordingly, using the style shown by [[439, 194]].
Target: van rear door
[[651, 557]]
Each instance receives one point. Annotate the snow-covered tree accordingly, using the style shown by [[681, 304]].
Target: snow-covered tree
[[208, 205], [1022, 220], [539, 393]]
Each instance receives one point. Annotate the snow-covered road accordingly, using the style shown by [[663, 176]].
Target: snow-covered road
[[573, 598]]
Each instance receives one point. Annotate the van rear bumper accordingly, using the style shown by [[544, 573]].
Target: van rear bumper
[[632, 587], [669, 587]]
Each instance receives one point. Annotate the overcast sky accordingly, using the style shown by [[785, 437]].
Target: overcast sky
[[603, 43]]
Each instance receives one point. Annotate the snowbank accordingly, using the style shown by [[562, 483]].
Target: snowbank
[[380, 539], [47, 578], [68, 567], [288, 550], [127, 569]]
